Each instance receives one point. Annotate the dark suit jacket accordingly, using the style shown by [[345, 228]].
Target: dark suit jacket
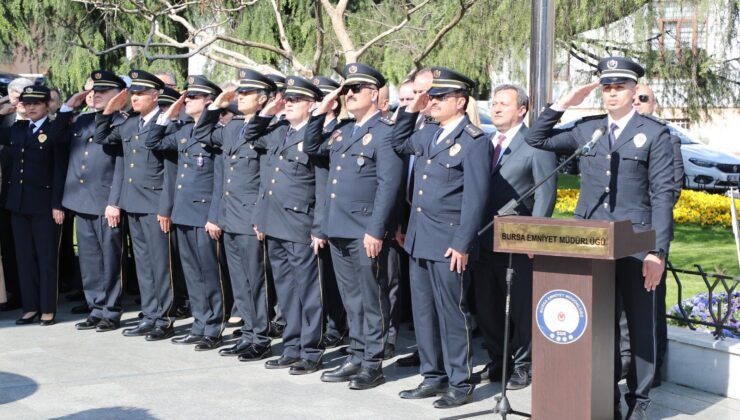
[[519, 169], [633, 180]]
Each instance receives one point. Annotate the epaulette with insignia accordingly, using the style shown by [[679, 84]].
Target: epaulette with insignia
[[387, 121], [238, 117], [474, 131], [593, 117], [656, 119]]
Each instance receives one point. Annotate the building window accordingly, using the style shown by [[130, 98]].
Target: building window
[[679, 36]]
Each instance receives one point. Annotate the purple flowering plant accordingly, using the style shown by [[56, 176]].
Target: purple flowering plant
[[698, 308]]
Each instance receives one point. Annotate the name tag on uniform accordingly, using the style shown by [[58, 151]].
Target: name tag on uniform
[[199, 160]]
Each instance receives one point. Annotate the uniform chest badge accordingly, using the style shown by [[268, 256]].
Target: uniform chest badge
[[183, 141], [300, 146], [639, 139], [455, 149], [366, 139], [360, 161], [42, 138]]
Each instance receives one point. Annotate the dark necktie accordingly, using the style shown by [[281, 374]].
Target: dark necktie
[[31, 128], [438, 133], [612, 136], [497, 150], [141, 123], [354, 130], [287, 135]]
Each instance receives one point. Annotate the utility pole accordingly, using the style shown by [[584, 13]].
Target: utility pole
[[541, 57]]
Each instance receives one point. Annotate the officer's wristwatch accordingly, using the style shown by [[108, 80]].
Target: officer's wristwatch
[[660, 254]]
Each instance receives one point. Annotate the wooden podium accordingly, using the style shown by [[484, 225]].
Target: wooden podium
[[573, 308]]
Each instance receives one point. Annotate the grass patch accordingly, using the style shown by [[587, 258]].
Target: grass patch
[[713, 248], [570, 182]]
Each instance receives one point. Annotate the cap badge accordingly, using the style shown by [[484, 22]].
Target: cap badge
[[437, 73], [366, 139], [242, 74], [191, 80], [98, 75], [455, 149], [291, 82], [134, 74], [316, 82], [29, 89], [352, 69], [639, 139], [612, 64]]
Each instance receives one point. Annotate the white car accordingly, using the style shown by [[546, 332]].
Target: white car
[[706, 168]]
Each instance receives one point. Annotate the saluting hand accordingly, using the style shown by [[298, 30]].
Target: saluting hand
[[275, 105], [116, 103], [58, 216], [652, 270], [458, 260], [224, 99], [113, 216], [419, 103], [213, 231], [576, 96], [78, 99], [327, 104], [174, 111]]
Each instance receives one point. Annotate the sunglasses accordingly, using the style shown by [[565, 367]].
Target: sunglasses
[[195, 96], [357, 88], [443, 97], [644, 98], [295, 99]]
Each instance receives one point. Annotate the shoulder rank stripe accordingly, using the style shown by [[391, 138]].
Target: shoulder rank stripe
[[474, 131]]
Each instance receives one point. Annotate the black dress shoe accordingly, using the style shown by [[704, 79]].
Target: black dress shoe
[[187, 339], [410, 360], [160, 333], [281, 362], [208, 343], [490, 373], [638, 411], [106, 325], [89, 324], [138, 331], [26, 321], [423, 391], [519, 379], [342, 373], [304, 367], [454, 398], [236, 324], [367, 378], [182, 313], [256, 353], [237, 333], [48, 322], [330, 342], [389, 352], [80, 309], [275, 330], [240, 347]]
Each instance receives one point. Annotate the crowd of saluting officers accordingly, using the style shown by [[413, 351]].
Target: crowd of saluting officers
[[302, 208]]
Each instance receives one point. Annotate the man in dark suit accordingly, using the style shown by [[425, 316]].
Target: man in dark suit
[[147, 199], [92, 191], [452, 178], [515, 168], [287, 214], [626, 175], [240, 180], [364, 178], [195, 211]]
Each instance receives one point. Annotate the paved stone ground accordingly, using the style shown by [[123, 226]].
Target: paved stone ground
[[58, 372]]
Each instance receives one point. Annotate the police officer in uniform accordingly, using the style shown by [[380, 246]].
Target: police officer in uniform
[[93, 191], [627, 175], [364, 179], [240, 180], [34, 198], [451, 185], [146, 198], [195, 212], [336, 317], [287, 215]]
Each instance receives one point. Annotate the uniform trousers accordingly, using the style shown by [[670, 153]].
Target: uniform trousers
[[336, 316], [489, 285], [245, 255], [99, 248], [363, 285], [442, 323], [395, 270], [36, 249], [639, 307], [152, 255], [199, 255], [298, 288], [8, 259]]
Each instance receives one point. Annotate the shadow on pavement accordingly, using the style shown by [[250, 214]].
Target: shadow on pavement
[[15, 387]]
